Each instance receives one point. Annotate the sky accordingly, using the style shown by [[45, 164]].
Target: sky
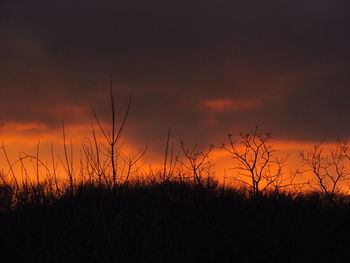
[[202, 68]]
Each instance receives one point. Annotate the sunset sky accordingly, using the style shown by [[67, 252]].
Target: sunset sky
[[202, 68]]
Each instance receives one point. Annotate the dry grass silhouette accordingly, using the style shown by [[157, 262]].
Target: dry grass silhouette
[[108, 211]]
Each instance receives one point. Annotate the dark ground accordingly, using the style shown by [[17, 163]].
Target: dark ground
[[171, 222]]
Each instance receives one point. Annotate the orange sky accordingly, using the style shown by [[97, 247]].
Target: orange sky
[[202, 71], [20, 139]]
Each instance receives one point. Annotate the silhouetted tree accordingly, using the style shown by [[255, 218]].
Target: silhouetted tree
[[131, 161], [197, 162], [113, 137], [257, 162], [328, 167]]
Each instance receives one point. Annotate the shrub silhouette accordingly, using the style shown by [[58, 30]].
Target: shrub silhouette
[[175, 214], [258, 164], [166, 222]]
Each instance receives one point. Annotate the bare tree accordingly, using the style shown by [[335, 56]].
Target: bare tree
[[131, 161], [197, 162], [328, 167], [257, 163], [113, 137]]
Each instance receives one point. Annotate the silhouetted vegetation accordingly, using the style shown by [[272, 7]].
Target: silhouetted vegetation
[[170, 221], [109, 211]]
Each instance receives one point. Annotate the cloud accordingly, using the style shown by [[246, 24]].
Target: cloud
[[231, 105], [203, 69]]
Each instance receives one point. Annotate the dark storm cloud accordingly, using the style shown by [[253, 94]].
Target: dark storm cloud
[[292, 57]]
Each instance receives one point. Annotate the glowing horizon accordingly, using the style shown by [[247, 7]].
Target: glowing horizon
[[23, 140]]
